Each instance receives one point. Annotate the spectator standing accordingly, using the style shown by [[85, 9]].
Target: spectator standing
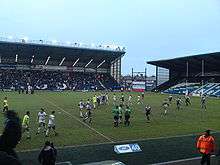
[[48, 154], [10, 138], [205, 146]]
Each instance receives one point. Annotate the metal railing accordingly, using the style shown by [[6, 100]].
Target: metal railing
[[64, 44]]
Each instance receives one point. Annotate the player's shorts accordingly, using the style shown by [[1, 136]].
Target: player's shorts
[[25, 128], [116, 118], [42, 124], [127, 117], [51, 126], [147, 114], [5, 108], [165, 106]]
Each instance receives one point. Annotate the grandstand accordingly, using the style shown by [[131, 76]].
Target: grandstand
[[194, 75], [43, 65]]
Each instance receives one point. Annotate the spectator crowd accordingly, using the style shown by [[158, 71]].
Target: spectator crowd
[[29, 80]]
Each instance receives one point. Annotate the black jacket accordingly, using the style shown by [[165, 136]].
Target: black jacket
[[47, 156]]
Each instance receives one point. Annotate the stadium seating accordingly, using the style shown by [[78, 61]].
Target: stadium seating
[[205, 89], [215, 91], [211, 89], [54, 80], [182, 88]]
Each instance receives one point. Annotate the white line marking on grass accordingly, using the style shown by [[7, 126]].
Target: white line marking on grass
[[165, 137], [60, 163], [180, 160], [177, 161], [122, 141], [76, 118]]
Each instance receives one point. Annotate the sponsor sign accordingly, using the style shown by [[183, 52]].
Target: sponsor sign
[[127, 148], [138, 86]]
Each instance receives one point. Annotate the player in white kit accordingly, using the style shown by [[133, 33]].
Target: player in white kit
[[41, 117], [114, 99], [51, 124], [129, 100], [81, 106], [139, 99]]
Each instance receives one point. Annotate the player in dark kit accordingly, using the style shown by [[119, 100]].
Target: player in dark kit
[[88, 115], [120, 112], [147, 112], [142, 95], [203, 103], [122, 98], [178, 103], [115, 112], [165, 106], [127, 116], [187, 100], [170, 98]]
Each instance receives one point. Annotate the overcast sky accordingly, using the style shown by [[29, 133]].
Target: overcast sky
[[149, 29]]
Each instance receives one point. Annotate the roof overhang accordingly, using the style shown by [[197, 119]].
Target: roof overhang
[[211, 62]]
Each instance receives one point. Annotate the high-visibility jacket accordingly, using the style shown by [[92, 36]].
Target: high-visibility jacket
[[94, 99], [205, 144]]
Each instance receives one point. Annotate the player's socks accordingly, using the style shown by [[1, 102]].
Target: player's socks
[[28, 135], [165, 112], [38, 130], [47, 133]]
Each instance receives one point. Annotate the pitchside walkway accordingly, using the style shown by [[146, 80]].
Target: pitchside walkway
[[154, 151]]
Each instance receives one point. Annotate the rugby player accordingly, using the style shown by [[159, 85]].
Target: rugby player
[[51, 124], [41, 117], [26, 124]]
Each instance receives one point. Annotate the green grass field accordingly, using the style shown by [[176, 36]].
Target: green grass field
[[72, 131]]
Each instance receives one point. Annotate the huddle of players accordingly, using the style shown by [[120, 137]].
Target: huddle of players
[[118, 115], [89, 107], [118, 111], [41, 118], [140, 99], [101, 99], [166, 103]]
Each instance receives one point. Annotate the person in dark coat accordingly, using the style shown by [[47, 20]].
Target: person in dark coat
[[48, 154], [10, 138]]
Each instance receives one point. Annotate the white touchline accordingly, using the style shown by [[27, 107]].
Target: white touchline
[[93, 129], [67, 162], [122, 141], [180, 160]]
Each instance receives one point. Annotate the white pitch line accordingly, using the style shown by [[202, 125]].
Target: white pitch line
[[179, 161], [93, 129], [122, 141], [67, 162]]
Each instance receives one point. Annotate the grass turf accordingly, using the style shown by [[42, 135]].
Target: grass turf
[[71, 132]]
